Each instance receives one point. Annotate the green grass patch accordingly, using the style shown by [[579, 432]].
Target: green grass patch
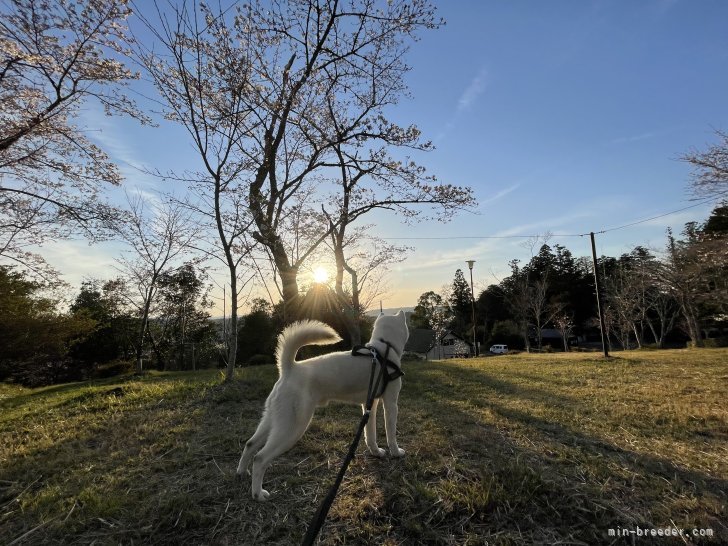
[[548, 448]]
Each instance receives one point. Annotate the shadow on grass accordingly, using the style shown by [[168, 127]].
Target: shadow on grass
[[545, 482]]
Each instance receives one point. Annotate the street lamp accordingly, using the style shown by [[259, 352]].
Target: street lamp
[[472, 302]]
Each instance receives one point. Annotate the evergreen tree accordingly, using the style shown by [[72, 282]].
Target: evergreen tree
[[257, 335], [109, 339], [461, 302]]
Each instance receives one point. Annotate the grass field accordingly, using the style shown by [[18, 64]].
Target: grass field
[[545, 449]]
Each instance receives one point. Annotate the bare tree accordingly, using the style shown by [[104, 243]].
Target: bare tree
[[609, 324], [440, 320], [370, 180], [665, 310], [622, 294], [365, 268], [683, 274], [517, 294], [541, 310], [647, 294], [331, 55], [205, 82], [55, 57], [326, 70], [565, 324], [526, 295], [24, 224], [710, 175], [156, 238]]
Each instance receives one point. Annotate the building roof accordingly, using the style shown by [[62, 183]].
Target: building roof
[[421, 340]]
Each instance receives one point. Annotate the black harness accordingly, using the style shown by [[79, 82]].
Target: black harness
[[388, 370]]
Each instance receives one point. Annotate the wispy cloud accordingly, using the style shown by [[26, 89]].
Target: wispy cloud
[[547, 224], [122, 149], [500, 194], [450, 252], [666, 5], [106, 134], [474, 89], [467, 99], [633, 138]]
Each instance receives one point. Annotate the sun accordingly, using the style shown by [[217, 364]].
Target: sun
[[320, 275]]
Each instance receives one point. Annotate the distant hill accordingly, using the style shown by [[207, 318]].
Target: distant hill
[[390, 311]]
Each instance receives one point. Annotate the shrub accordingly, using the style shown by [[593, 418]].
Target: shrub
[[714, 342], [411, 356], [43, 370], [113, 368], [259, 360]]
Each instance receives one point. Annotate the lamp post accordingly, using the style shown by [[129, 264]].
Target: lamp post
[[472, 303]]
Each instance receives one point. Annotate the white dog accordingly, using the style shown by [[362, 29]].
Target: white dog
[[302, 386]]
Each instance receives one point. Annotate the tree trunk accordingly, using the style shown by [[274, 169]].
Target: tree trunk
[[139, 349], [143, 328], [289, 280], [351, 307], [524, 333], [637, 335], [232, 340], [161, 364], [291, 296], [658, 339], [693, 327]]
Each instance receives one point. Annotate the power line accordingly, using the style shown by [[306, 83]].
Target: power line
[[480, 237], [662, 215], [606, 230]]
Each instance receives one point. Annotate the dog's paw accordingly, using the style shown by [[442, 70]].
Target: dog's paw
[[262, 496], [399, 452], [378, 452]]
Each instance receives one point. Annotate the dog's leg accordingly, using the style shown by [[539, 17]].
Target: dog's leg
[[287, 426], [370, 431], [390, 416], [253, 445]]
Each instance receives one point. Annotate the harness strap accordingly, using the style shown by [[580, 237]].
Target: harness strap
[[389, 370]]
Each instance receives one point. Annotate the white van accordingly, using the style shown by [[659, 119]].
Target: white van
[[499, 349]]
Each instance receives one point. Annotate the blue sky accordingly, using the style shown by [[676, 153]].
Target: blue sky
[[563, 116]]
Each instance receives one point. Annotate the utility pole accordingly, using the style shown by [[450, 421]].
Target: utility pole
[[597, 286], [472, 303]]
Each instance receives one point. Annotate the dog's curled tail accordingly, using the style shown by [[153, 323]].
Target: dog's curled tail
[[299, 334]]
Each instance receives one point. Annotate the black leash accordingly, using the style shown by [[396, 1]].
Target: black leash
[[383, 377]]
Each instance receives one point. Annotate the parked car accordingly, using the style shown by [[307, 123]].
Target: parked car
[[499, 349]]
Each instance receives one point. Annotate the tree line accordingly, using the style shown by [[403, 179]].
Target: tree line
[[649, 297], [99, 333]]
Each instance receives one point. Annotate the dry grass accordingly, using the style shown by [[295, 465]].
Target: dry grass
[[506, 450]]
